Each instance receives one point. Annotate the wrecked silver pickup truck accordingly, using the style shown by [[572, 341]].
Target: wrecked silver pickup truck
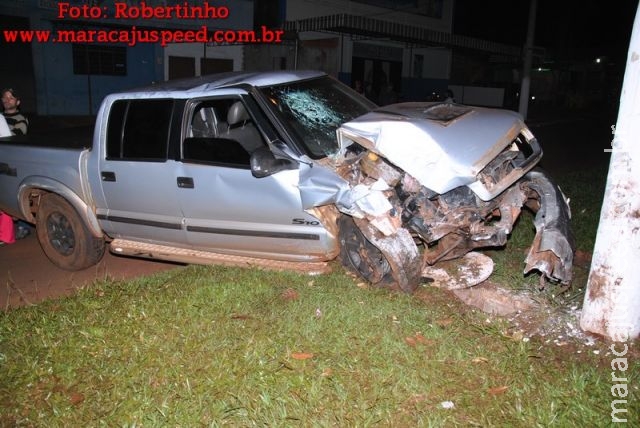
[[286, 170]]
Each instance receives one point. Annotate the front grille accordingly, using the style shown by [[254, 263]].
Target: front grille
[[515, 155], [516, 159]]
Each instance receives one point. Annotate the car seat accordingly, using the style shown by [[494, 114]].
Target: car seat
[[241, 129]]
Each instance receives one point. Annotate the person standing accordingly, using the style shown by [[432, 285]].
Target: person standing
[[18, 124]]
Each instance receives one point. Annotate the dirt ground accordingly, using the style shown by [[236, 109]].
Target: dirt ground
[[28, 277]]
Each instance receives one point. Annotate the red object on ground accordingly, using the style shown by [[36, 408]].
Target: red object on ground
[[7, 232]]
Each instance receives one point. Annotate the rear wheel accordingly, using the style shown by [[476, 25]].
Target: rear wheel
[[360, 256], [64, 237]]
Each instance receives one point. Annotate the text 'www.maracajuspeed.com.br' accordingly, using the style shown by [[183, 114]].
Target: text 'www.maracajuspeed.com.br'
[[133, 35]]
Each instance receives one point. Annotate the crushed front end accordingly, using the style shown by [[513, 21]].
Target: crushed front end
[[425, 183]]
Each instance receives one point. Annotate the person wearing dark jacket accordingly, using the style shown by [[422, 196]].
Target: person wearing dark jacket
[[18, 124]]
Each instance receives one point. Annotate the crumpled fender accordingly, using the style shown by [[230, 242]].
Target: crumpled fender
[[554, 244], [320, 186]]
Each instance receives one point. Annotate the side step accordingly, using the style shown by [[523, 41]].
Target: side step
[[161, 252]]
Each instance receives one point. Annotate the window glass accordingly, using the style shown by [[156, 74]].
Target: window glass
[[215, 151], [114, 129], [146, 129], [221, 132], [314, 109]]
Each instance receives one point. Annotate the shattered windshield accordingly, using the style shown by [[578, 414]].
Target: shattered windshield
[[314, 109]]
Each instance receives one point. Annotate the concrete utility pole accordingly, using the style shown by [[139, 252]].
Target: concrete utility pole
[[528, 60], [612, 300]]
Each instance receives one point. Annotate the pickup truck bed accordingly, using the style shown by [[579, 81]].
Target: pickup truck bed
[[67, 138]]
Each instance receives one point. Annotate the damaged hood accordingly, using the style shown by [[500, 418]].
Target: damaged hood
[[442, 145]]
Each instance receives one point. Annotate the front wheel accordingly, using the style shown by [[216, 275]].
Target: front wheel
[[64, 237], [360, 256]]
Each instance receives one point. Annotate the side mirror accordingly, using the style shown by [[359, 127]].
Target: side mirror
[[264, 163]]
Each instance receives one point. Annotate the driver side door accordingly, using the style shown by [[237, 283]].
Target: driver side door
[[226, 208]]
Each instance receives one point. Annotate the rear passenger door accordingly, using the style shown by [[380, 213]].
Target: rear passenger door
[[224, 205], [137, 173]]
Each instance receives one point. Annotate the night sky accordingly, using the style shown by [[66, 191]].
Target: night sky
[[568, 29]]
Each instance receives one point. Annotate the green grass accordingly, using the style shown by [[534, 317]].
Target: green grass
[[216, 346], [213, 346], [585, 190]]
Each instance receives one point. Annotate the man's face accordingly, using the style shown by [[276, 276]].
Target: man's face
[[9, 102]]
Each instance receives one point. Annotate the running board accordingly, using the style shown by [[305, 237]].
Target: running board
[[181, 255]]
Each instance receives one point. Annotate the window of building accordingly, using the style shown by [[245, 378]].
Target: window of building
[[99, 60], [215, 65], [181, 67]]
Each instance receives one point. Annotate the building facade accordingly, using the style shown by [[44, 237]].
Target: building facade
[[92, 50], [395, 50], [362, 43]]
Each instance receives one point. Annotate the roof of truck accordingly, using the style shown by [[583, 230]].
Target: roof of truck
[[221, 80]]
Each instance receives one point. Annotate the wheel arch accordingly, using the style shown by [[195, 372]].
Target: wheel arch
[[35, 186]]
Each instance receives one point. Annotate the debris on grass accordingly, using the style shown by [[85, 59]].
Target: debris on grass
[[553, 325], [301, 355], [472, 269], [498, 390], [447, 405], [496, 300], [290, 294]]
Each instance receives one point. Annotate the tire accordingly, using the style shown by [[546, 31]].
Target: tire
[[360, 256], [64, 237]]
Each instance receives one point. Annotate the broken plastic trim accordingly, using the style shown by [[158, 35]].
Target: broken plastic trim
[[553, 246]]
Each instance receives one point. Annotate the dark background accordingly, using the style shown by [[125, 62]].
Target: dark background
[[568, 29]]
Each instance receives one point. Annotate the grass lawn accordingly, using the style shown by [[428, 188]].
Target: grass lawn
[[216, 346]]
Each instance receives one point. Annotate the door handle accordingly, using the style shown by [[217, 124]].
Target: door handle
[[108, 176], [6, 169], [185, 182]]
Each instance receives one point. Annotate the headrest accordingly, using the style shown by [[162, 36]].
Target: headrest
[[237, 113]]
